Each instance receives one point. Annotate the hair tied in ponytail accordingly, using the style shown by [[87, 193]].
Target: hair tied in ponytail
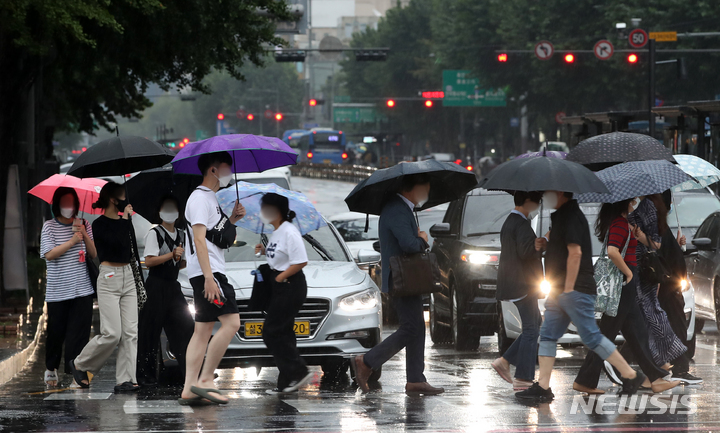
[[291, 215]]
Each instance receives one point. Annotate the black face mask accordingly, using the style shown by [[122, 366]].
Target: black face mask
[[121, 204]]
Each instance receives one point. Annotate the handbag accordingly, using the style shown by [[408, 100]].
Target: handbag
[[262, 288], [652, 268], [414, 274], [137, 272], [92, 268], [609, 280]]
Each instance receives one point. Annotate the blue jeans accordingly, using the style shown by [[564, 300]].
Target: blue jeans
[[522, 353], [578, 308]]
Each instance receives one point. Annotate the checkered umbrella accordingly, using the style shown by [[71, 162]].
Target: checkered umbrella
[[635, 179], [704, 172], [605, 150]]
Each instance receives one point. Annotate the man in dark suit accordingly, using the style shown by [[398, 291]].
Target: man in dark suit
[[400, 234], [519, 277]]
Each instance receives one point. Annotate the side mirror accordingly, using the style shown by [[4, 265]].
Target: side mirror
[[376, 246], [703, 243], [368, 257], [440, 229]]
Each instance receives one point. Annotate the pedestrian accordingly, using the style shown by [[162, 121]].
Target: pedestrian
[[286, 257], [165, 308], [399, 234], [66, 243], [518, 281], [650, 224], [214, 297], [117, 294], [612, 227], [569, 270]]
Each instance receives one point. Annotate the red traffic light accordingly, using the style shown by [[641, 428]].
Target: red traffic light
[[221, 116], [569, 58], [312, 102], [186, 140], [278, 116], [390, 103], [428, 103], [502, 57], [632, 58], [470, 168], [250, 116]]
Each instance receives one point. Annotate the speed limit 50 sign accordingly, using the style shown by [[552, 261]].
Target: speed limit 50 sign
[[638, 38]]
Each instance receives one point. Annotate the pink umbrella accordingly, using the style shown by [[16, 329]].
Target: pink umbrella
[[88, 190]]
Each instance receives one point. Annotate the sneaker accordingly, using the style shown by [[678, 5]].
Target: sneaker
[[274, 391], [536, 393], [687, 378], [297, 384], [612, 374], [631, 386]]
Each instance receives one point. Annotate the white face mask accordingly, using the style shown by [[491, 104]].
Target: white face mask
[[634, 205], [550, 200], [422, 201], [224, 180], [67, 212], [267, 219], [169, 216]]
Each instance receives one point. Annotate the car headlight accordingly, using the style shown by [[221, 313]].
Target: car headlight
[[480, 257], [545, 287], [684, 285], [191, 306], [364, 300]]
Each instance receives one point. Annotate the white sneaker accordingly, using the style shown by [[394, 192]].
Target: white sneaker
[[611, 374], [297, 384]]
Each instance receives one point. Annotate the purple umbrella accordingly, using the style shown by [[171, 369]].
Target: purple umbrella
[[549, 154]]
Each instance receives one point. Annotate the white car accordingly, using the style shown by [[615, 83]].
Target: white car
[[279, 176], [341, 317], [510, 325], [351, 226]]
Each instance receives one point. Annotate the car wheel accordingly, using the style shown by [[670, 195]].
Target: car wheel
[[463, 338], [699, 325], [438, 333], [334, 368], [504, 342]]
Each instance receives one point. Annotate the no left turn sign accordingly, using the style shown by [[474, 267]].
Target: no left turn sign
[[544, 50], [638, 38], [603, 49]]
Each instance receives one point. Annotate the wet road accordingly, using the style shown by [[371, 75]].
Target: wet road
[[476, 399]]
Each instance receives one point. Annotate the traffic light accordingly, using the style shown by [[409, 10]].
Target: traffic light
[[428, 103], [250, 116], [632, 58], [278, 116], [184, 141], [569, 58], [221, 116], [502, 57], [290, 56], [312, 102], [371, 55], [390, 103]]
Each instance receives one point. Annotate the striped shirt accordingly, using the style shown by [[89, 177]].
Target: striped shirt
[[618, 236], [67, 277]]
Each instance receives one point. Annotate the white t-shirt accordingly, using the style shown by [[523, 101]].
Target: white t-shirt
[[151, 243], [285, 247], [203, 208]]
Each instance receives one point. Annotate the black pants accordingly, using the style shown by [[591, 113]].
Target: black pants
[[278, 330], [410, 336], [69, 322], [166, 309], [672, 301], [630, 321]]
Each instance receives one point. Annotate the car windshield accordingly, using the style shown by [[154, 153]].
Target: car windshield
[[354, 230], [321, 245], [279, 181], [693, 207], [591, 211], [141, 225], [486, 214]]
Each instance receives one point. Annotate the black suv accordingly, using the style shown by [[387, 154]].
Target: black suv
[[467, 246]]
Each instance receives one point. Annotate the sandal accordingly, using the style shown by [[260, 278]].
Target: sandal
[[126, 387], [194, 401], [51, 376], [79, 376], [206, 394]]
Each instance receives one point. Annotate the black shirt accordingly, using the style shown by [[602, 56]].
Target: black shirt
[[112, 239], [569, 226], [520, 268]]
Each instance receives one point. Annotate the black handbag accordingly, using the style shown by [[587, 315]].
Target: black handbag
[[262, 289], [414, 274], [93, 267], [652, 268]]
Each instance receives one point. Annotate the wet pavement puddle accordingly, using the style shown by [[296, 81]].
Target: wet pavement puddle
[[154, 406], [79, 396]]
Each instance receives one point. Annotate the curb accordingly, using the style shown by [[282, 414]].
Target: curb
[[13, 365]]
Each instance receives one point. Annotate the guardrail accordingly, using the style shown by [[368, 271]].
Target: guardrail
[[343, 172]]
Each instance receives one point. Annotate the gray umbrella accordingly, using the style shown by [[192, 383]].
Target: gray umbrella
[[636, 179], [605, 150]]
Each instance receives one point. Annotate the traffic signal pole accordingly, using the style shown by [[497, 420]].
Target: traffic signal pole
[[651, 87]]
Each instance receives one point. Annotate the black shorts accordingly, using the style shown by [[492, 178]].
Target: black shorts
[[204, 310]]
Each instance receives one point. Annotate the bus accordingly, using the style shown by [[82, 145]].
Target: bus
[[321, 145]]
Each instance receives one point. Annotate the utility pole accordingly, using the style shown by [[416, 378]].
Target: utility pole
[[651, 87]]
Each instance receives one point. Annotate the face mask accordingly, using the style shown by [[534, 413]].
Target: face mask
[[169, 216], [224, 180], [533, 214], [550, 200], [266, 219], [672, 208], [634, 205], [422, 202], [121, 205], [67, 212]]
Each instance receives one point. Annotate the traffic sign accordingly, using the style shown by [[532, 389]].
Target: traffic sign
[[514, 122], [544, 50], [638, 38], [603, 49], [240, 114], [462, 89], [664, 36], [560, 116], [269, 114]]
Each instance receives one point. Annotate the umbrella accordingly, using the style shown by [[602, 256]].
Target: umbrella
[[307, 217], [88, 190], [703, 172], [605, 150], [120, 155], [636, 179], [548, 153], [541, 173], [149, 186], [448, 182]]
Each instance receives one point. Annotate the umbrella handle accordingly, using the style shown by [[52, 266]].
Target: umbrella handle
[[540, 221], [677, 218]]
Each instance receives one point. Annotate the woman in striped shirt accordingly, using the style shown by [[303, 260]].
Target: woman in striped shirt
[[66, 242]]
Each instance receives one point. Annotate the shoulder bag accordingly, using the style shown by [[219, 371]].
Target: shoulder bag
[[652, 267], [609, 280], [414, 274]]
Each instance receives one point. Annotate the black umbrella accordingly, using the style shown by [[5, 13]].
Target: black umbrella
[[148, 187], [542, 173], [121, 155], [448, 181], [605, 150]]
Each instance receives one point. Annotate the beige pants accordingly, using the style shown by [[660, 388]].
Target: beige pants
[[117, 302]]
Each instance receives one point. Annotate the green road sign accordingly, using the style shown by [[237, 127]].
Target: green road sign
[[463, 90], [354, 114]]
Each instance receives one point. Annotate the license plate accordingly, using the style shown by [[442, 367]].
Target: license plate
[[255, 329], [327, 161]]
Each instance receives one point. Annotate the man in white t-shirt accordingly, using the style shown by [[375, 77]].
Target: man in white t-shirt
[[214, 297]]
